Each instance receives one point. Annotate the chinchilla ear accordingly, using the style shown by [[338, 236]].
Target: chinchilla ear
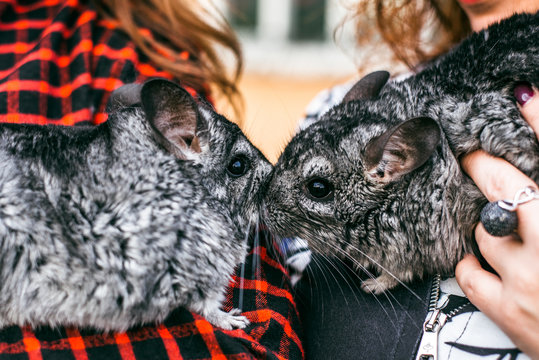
[[368, 87], [124, 96], [402, 149], [173, 113]]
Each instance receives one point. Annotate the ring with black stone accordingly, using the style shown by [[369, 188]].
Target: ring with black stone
[[499, 218]]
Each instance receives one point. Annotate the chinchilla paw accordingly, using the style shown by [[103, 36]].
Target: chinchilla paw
[[228, 320], [378, 285]]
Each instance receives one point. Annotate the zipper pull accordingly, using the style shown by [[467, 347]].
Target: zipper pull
[[428, 347]]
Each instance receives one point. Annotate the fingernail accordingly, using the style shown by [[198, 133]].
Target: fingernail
[[523, 93]]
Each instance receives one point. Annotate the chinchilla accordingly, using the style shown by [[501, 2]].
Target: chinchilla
[[377, 178], [116, 225]]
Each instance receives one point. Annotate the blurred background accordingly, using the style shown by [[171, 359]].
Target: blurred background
[[293, 49]]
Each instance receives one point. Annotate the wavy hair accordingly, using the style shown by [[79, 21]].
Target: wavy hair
[[415, 31], [181, 27]]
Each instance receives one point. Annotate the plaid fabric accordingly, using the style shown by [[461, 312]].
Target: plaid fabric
[[260, 289], [58, 64]]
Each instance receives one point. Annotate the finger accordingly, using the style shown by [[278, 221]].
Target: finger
[[528, 103], [500, 252], [499, 180], [482, 288], [496, 178], [528, 223], [485, 290]]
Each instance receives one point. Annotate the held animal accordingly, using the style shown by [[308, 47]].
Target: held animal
[[377, 178], [116, 225]]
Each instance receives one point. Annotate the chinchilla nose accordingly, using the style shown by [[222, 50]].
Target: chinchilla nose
[[265, 174]]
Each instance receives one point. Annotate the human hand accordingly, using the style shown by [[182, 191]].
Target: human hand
[[511, 298]]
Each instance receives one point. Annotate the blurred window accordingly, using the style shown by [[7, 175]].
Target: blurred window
[[243, 14], [308, 20]]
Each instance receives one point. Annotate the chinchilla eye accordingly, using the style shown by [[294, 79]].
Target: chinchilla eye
[[238, 166], [319, 189]]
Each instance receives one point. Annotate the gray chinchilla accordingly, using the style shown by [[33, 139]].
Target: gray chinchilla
[[377, 178], [116, 225]]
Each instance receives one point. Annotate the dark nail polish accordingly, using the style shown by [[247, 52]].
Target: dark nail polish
[[523, 93]]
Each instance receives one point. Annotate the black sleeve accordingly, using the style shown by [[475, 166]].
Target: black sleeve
[[341, 321]]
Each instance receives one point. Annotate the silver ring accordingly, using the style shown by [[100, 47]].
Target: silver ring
[[499, 218], [522, 196]]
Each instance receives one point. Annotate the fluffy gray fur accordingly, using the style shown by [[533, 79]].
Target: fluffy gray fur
[[116, 225], [377, 178]]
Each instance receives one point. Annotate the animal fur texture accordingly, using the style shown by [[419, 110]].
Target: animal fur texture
[[377, 178], [116, 225]]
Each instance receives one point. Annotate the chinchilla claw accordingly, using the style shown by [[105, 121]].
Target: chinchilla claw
[[378, 285], [228, 320]]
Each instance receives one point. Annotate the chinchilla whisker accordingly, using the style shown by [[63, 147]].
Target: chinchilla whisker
[[256, 255], [316, 284], [242, 270], [387, 271], [390, 297], [248, 126], [276, 248], [242, 274], [278, 254], [356, 263], [319, 264], [359, 266], [343, 275], [327, 265], [259, 258]]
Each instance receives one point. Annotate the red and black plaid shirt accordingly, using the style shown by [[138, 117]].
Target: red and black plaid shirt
[[58, 64]]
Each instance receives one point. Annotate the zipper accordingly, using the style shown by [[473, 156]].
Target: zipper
[[436, 319]]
